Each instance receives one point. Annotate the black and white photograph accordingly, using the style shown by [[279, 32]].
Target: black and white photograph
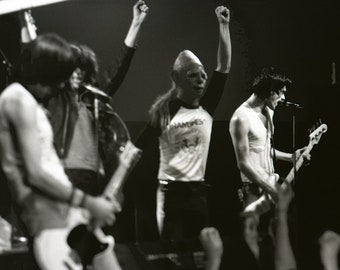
[[169, 135]]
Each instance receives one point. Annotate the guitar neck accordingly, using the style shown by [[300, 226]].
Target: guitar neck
[[117, 180], [298, 164]]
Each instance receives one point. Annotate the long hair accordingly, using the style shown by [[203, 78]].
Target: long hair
[[159, 111], [48, 60], [269, 80], [86, 60]]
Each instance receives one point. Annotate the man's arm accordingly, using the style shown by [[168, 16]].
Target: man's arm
[[213, 247], [117, 72], [284, 257], [21, 113], [239, 128], [215, 88], [284, 156], [140, 10], [224, 45], [289, 157]]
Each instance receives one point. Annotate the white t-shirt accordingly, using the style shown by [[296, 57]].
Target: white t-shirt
[[184, 145]]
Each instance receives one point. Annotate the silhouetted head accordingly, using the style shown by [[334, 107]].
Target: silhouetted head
[[270, 80], [48, 60]]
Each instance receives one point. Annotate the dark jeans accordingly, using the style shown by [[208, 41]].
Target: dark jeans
[[185, 208]]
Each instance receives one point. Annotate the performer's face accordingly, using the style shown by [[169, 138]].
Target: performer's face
[[276, 97], [192, 80], [77, 78]]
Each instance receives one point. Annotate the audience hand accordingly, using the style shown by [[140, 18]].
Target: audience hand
[[213, 247]]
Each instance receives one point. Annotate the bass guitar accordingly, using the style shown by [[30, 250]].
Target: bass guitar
[[262, 204]]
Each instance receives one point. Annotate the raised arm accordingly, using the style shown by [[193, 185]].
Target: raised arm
[[216, 84], [140, 11], [213, 247], [284, 256], [117, 72], [289, 157], [224, 46], [239, 129], [329, 249]]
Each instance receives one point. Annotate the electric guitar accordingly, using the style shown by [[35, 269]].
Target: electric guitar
[[83, 244], [262, 204]]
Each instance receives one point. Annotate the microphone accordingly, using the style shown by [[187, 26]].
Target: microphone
[[290, 104], [97, 92]]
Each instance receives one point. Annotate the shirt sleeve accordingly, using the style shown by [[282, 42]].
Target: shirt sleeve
[[148, 136], [214, 92], [174, 106], [117, 71]]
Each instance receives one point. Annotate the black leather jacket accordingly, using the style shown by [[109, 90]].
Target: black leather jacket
[[64, 111]]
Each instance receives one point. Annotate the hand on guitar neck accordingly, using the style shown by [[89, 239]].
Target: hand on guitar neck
[[127, 159], [88, 240]]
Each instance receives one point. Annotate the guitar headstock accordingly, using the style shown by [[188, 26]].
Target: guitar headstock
[[316, 132], [130, 155]]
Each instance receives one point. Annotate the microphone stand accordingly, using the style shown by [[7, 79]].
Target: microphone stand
[[294, 107], [294, 210], [96, 133], [294, 142]]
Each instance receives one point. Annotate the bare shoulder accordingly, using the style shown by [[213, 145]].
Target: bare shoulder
[[17, 101], [13, 90], [17, 94], [239, 118]]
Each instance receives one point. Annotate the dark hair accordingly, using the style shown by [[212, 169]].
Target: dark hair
[[86, 60], [48, 60], [269, 80]]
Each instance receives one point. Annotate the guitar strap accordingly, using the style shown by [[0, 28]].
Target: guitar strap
[[270, 128], [273, 149]]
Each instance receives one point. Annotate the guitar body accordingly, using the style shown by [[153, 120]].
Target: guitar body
[[75, 247], [93, 247], [81, 245]]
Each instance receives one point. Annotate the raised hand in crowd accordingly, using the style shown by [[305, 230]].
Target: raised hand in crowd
[[213, 247]]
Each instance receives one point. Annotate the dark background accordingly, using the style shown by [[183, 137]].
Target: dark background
[[302, 38]]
